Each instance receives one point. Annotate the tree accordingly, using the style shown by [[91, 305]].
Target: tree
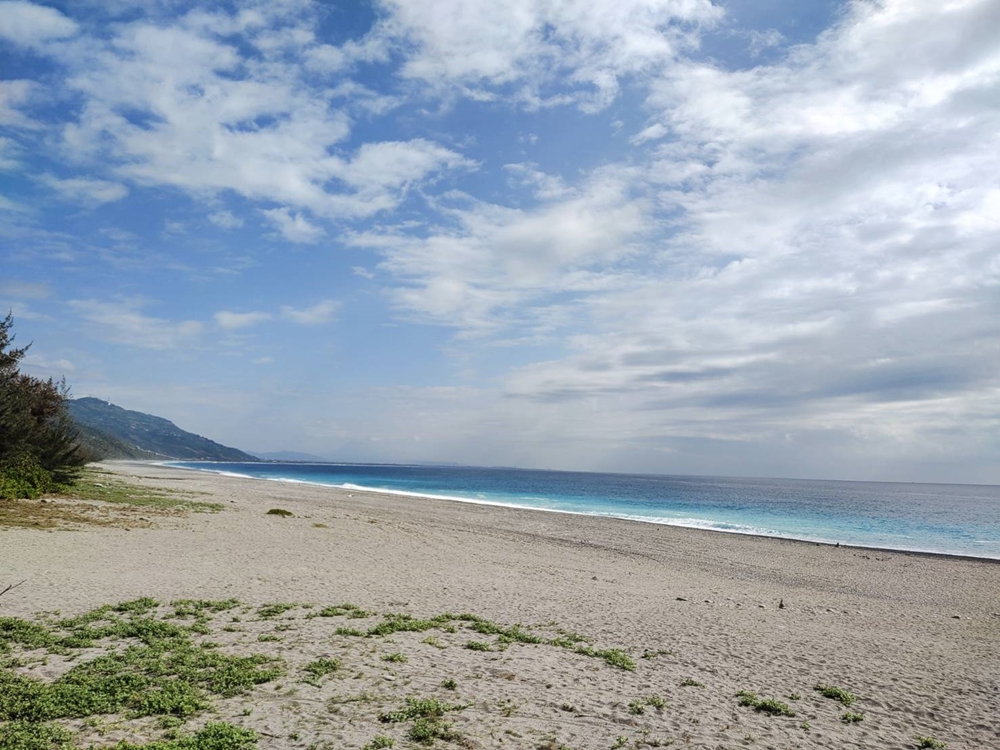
[[38, 441]]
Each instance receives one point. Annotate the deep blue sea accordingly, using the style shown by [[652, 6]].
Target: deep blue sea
[[943, 518]]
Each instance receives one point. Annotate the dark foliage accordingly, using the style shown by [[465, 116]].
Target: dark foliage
[[38, 445]]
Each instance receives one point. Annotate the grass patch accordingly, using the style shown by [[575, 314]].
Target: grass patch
[[107, 488], [379, 742], [836, 693], [569, 638], [353, 632], [421, 708], [102, 499], [351, 611], [321, 667], [425, 731], [689, 682], [162, 673], [478, 646], [512, 634], [396, 658], [401, 623], [638, 706], [26, 735], [269, 611], [215, 736], [655, 701], [647, 654], [281, 512], [612, 656], [768, 706], [201, 609], [852, 717], [930, 742]]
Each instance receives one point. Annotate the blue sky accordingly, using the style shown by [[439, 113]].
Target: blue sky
[[680, 236]]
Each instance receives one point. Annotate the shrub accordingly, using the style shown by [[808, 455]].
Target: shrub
[[23, 477], [836, 693], [768, 706]]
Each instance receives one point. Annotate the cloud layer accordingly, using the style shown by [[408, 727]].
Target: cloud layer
[[548, 233]]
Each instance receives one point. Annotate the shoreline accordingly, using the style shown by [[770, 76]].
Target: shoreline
[[350, 487], [913, 636]]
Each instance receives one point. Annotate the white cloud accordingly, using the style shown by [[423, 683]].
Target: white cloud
[[14, 95], [808, 254], [321, 312], [180, 105], [50, 367], [26, 23], [225, 219], [532, 44], [762, 40], [9, 155], [801, 252], [831, 230], [25, 289], [486, 269], [294, 227], [233, 321], [544, 186], [6, 204], [88, 191], [381, 167], [122, 322]]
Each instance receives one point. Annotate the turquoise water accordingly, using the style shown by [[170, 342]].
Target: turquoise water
[[941, 518]]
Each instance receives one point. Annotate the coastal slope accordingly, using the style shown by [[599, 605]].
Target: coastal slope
[[111, 431]]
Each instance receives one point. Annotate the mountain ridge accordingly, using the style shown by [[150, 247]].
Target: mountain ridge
[[110, 431]]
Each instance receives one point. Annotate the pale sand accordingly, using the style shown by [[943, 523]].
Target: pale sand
[[916, 637]]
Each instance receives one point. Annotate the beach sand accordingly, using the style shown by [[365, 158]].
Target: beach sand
[[915, 637]]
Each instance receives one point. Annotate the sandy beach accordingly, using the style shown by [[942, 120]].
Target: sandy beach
[[701, 615]]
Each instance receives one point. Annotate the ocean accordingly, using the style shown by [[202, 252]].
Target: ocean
[[938, 518]]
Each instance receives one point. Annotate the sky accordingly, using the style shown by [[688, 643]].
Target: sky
[[754, 237]]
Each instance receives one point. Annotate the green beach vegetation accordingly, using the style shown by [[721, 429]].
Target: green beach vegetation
[[149, 675], [835, 693]]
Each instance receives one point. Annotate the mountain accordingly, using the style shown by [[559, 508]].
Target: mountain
[[97, 446], [110, 431], [292, 456]]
